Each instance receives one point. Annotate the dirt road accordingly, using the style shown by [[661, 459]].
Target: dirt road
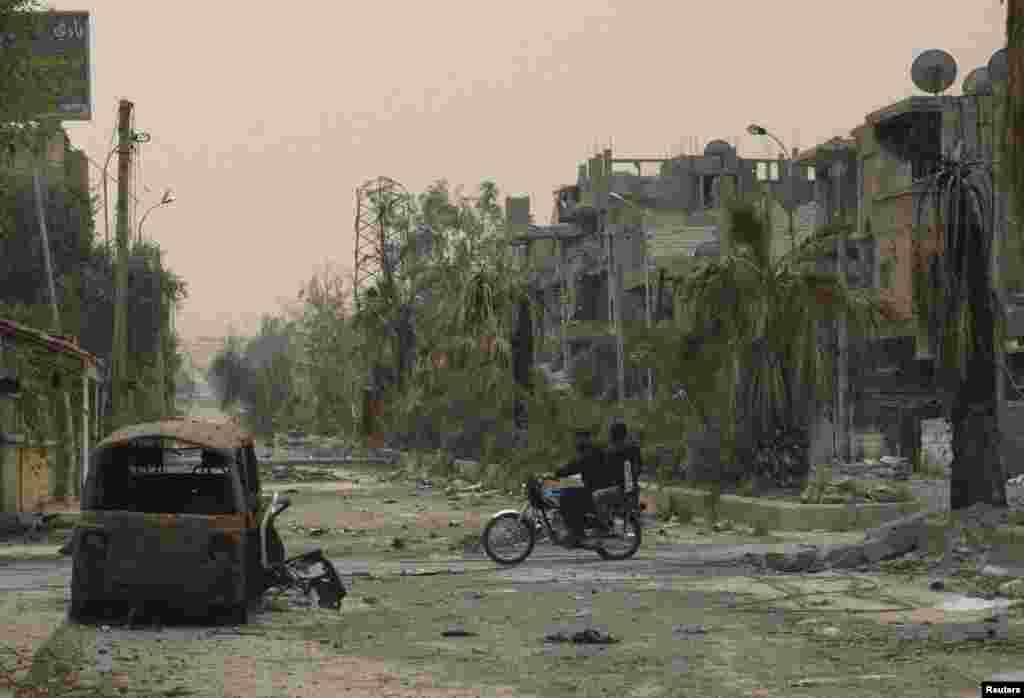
[[427, 617]]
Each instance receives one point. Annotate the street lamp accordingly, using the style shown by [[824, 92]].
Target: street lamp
[[755, 130], [647, 288], [167, 198]]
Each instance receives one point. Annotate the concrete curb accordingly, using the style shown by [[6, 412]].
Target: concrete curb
[[794, 516]]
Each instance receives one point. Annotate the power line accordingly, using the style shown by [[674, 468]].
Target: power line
[[99, 167]]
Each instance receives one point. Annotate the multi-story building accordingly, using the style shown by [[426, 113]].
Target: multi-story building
[[880, 190], [644, 229]]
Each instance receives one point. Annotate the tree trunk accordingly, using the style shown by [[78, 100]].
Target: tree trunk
[[978, 473], [522, 360]]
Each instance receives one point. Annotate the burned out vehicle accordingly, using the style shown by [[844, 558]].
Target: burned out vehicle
[[173, 517]]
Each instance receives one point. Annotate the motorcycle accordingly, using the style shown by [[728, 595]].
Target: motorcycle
[[617, 539], [296, 572]]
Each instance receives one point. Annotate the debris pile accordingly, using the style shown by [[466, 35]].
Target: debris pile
[[847, 490], [30, 527]]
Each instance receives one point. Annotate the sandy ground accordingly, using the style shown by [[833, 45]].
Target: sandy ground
[[686, 625]]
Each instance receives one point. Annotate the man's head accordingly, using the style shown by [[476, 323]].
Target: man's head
[[617, 432], [584, 439]]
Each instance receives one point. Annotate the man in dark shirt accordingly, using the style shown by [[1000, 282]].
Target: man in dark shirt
[[623, 454], [576, 502]]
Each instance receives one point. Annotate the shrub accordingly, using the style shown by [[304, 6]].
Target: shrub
[[815, 489]]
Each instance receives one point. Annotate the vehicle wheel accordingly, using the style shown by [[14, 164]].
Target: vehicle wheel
[[626, 541], [498, 532], [237, 614], [77, 611]]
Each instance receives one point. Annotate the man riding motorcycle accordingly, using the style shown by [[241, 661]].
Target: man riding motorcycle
[[599, 473], [622, 454]]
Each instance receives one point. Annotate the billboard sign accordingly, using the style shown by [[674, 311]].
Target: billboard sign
[[60, 51]]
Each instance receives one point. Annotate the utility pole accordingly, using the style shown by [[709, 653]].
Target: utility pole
[[842, 419], [67, 438], [119, 349]]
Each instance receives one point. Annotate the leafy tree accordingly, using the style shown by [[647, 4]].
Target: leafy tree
[[229, 373], [26, 86], [333, 370]]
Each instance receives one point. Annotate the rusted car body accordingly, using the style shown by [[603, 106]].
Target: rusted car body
[[171, 515]]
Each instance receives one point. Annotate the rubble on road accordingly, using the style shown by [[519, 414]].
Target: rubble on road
[[904, 538], [892, 540], [590, 636], [31, 527]]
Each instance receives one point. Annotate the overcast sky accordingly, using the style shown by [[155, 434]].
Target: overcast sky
[[265, 117]]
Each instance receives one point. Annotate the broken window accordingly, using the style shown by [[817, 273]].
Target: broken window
[[762, 171], [710, 191], [147, 477]]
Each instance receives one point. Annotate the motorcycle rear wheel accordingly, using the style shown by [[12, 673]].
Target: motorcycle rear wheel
[[631, 537], [524, 529]]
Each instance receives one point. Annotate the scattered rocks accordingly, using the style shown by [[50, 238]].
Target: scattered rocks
[[590, 636], [1013, 589], [689, 629]]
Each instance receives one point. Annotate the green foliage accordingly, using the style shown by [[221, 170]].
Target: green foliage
[[26, 87], [670, 505], [749, 310]]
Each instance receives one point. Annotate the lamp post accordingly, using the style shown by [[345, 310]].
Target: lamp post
[[647, 286], [167, 198], [755, 130]]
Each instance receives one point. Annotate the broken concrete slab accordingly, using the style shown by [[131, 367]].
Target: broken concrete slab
[[795, 516]]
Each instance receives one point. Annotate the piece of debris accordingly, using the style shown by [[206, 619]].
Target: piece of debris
[[590, 636], [937, 585], [690, 629], [315, 532], [1013, 589], [390, 501], [458, 631]]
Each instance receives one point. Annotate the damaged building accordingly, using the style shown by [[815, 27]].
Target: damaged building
[[620, 233], [890, 389]]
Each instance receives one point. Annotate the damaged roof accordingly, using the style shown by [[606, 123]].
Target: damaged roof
[[225, 435], [54, 343]]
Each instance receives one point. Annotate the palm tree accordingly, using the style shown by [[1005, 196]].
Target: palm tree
[[758, 321], [965, 319]]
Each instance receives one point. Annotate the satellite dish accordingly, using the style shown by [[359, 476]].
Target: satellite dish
[[978, 83], [718, 147], [998, 67], [933, 71]]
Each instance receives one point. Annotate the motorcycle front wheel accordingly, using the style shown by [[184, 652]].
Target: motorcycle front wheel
[[503, 533]]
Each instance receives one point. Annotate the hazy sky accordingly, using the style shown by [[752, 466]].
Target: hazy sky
[[265, 117]]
